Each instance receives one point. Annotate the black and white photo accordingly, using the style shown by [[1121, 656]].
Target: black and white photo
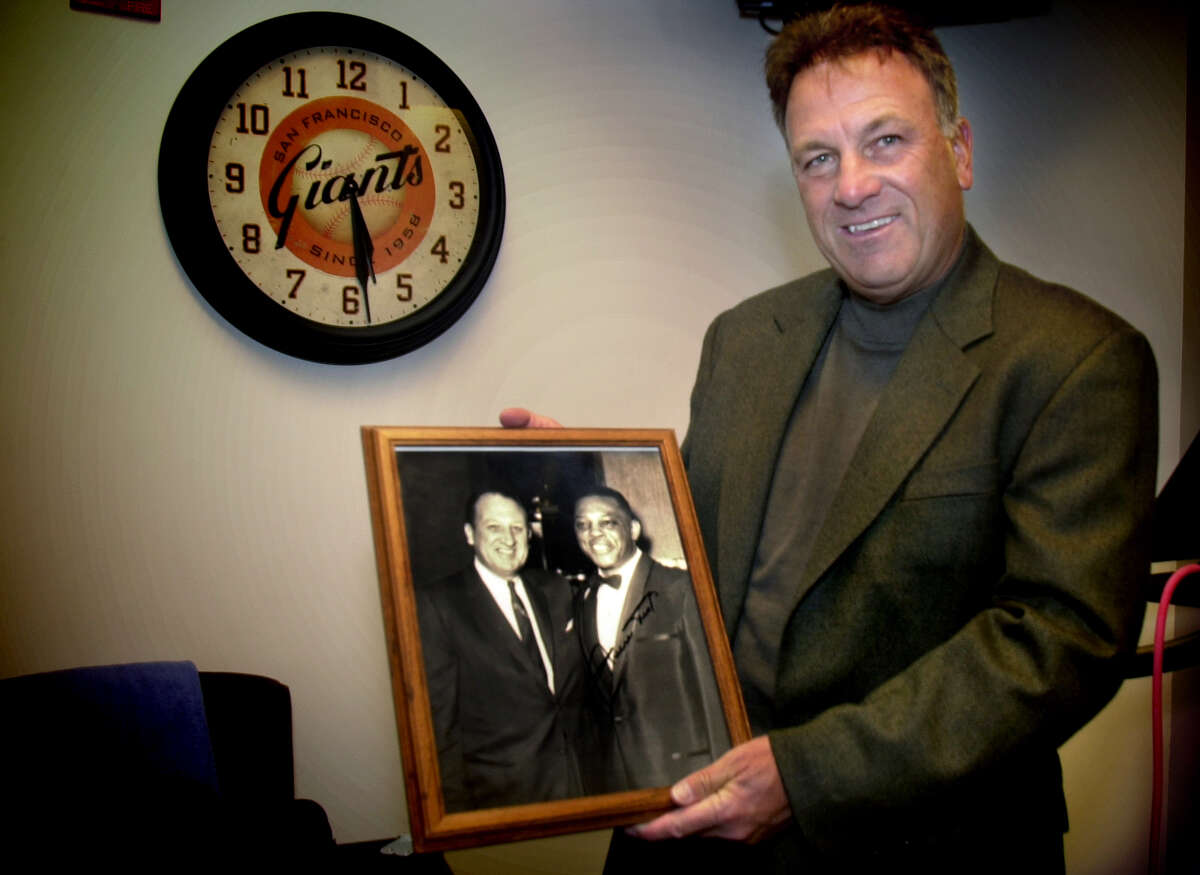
[[557, 650]]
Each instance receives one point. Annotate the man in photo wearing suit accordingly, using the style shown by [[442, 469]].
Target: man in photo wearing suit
[[923, 478], [653, 695], [503, 669]]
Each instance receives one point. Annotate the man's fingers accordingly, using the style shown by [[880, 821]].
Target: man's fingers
[[693, 819], [700, 804], [699, 785], [740, 796], [519, 417], [515, 417]]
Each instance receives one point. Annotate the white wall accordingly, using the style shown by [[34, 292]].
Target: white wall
[[174, 490]]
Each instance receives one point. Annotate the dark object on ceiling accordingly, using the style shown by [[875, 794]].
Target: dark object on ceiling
[[935, 13]]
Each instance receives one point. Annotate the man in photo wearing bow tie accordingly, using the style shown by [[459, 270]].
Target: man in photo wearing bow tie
[[651, 690], [503, 669]]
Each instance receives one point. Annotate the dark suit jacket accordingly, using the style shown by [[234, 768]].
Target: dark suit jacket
[[980, 566], [657, 712], [503, 738]]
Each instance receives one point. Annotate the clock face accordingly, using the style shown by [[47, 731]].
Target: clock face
[[331, 188]]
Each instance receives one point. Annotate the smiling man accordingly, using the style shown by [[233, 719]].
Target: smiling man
[[503, 670], [881, 178], [654, 705], [923, 478]]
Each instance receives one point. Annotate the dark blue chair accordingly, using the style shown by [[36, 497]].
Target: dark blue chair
[[153, 765]]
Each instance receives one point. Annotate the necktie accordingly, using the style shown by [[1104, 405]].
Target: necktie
[[525, 628]]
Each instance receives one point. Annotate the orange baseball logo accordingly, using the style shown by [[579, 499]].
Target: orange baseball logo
[[332, 150]]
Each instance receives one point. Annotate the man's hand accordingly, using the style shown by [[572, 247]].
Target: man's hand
[[519, 417], [740, 796]]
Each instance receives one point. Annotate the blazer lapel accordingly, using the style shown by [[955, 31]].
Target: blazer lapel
[[593, 655], [782, 353], [625, 632], [541, 616], [930, 382], [492, 626], [635, 593]]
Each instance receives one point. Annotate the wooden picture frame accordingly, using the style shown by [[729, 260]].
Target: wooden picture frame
[[604, 740]]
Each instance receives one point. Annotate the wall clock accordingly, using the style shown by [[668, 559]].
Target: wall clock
[[331, 188]]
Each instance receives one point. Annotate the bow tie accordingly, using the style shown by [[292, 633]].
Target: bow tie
[[613, 580]]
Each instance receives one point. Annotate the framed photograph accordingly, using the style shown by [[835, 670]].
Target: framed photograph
[[557, 652]]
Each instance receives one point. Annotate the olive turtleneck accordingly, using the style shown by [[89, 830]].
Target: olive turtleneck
[[860, 352]]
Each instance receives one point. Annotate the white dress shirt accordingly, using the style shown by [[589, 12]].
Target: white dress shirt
[[498, 587], [610, 603]]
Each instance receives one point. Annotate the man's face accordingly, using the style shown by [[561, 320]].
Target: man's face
[[607, 535], [499, 535], [881, 183]]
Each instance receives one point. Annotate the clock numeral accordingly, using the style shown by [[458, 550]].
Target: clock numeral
[[405, 292], [251, 238], [299, 276], [359, 71], [301, 82], [458, 200], [350, 301], [403, 94], [235, 178], [259, 119], [443, 141], [439, 249]]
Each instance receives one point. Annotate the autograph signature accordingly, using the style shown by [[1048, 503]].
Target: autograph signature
[[600, 659]]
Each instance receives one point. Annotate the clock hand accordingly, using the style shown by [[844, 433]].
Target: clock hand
[[364, 249]]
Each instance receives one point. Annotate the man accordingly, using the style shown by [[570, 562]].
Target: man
[[502, 670], [922, 478], [651, 684]]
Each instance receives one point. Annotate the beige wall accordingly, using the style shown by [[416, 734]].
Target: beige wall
[[174, 490]]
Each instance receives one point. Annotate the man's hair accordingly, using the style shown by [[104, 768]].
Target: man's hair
[[610, 493], [844, 31], [473, 499]]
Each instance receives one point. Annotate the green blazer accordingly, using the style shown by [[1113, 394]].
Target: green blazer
[[978, 575]]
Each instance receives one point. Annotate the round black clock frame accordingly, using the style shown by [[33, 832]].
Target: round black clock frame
[[184, 177]]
